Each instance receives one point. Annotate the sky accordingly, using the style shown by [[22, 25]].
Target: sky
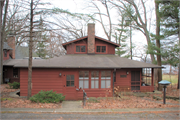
[[80, 6]]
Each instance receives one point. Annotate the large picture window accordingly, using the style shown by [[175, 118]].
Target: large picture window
[[101, 49], [84, 79], [80, 48], [105, 79], [95, 79]]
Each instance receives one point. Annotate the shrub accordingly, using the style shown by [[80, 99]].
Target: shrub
[[47, 97], [14, 85]]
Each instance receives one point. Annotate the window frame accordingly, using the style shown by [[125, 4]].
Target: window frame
[[70, 80], [80, 48], [146, 77], [15, 73], [95, 79], [85, 79], [101, 49], [106, 79]]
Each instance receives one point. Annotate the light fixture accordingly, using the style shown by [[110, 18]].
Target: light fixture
[[60, 74], [127, 72]]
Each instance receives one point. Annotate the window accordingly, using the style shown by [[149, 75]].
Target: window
[[146, 77], [70, 80], [5, 53], [95, 79], [84, 79], [80, 48], [101, 49], [105, 79], [15, 72]]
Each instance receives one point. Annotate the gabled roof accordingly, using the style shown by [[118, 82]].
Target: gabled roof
[[6, 46], [82, 38], [22, 52], [82, 61]]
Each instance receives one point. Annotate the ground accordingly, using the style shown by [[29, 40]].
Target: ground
[[14, 102], [94, 116], [126, 100]]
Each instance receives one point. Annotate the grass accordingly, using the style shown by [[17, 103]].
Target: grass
[[171, 78], [3, 99]]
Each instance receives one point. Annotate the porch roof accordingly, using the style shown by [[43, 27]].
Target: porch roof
[[81, 61]]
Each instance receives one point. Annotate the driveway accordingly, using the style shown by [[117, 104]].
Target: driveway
[[92, 116]]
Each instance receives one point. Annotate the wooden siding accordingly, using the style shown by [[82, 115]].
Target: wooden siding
[[72, 50], [110, 48], [49, 79], [71, 47], [42, 79]]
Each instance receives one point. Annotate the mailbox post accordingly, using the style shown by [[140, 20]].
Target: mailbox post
[[164, 83]]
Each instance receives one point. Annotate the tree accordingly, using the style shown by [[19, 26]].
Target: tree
[[140, 20], [170, 28], [1, 40], [158, 43]]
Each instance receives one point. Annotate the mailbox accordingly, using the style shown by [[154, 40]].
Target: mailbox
[[164, 83]]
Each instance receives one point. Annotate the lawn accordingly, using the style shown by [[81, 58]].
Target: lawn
[[171, 78]]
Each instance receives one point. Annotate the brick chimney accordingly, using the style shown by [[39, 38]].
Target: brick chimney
[[91, 38], [11, 43]]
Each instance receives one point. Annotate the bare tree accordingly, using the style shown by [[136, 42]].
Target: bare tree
[[139, 19]]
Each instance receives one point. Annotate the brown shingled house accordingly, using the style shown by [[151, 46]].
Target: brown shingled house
[[90, 64]]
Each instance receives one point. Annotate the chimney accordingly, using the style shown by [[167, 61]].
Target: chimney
[[11, 43], [91, 38]]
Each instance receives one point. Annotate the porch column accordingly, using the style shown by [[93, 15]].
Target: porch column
[[152, 77]]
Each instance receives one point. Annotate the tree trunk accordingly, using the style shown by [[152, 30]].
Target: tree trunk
[[30, 53], [1, 41], [158, 43], [3, 35]]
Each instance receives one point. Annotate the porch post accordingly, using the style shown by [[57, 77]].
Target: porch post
[[152, 77]]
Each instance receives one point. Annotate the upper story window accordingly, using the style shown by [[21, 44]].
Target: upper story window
[[80, 48], [101, 49], [5, 53]]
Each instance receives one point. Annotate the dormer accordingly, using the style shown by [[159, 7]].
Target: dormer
[[6, 51], [90, 44]]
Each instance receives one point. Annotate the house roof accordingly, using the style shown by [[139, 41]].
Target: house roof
[[82, 38], [6, 46], [22, 52], [82, 61]]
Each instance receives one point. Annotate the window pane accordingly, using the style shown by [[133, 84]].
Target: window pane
[[92, 83], [86, 73], [72, 77], [103, 73], [97, 84], [72, 83], [80, 73], [68, 83], [83, 49], [108, 73], [98, 49], [68, 77], [108, 84], [103, 49], [102, 83], [77, 48], [95, 75], [86, 83], [81, 83]]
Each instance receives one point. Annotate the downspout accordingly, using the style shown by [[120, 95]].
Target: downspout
[[114, 78]]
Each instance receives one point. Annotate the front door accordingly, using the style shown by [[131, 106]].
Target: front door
[[70, 86], [135, 80]]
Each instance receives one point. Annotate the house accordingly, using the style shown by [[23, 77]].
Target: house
[[90, 64], [11, 53]]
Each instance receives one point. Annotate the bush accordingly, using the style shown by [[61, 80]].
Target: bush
[[47, 97], [14, 85]]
